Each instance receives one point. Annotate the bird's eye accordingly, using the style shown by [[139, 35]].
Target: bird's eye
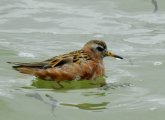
[[100, 48]]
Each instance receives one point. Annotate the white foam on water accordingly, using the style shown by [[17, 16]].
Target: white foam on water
[[158, 100], [153, 108], [98, 36], [156, 63], [118, 59], [5, 93], [147, 40], [24, 54]]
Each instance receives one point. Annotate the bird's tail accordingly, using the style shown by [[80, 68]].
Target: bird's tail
[[25, 68]]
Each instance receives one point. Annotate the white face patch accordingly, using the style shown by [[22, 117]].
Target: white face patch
[[94, 46]]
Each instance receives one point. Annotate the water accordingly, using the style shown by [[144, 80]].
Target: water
[[34, 30]]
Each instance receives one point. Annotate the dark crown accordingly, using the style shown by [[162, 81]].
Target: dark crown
[[99, 42]]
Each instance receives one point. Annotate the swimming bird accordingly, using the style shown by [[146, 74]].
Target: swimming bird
[[86, 63]]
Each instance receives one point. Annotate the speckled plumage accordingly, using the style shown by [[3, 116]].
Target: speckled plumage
[[86, 63]]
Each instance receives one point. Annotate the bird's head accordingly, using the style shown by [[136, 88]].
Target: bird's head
[[98, 49]]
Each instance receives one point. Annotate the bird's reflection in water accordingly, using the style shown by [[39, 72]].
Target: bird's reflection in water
[[51, 100], [88, 106], [154, 2], [36, 96], [54, 102]]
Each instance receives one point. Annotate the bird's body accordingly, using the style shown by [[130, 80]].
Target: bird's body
[[86, 63]]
